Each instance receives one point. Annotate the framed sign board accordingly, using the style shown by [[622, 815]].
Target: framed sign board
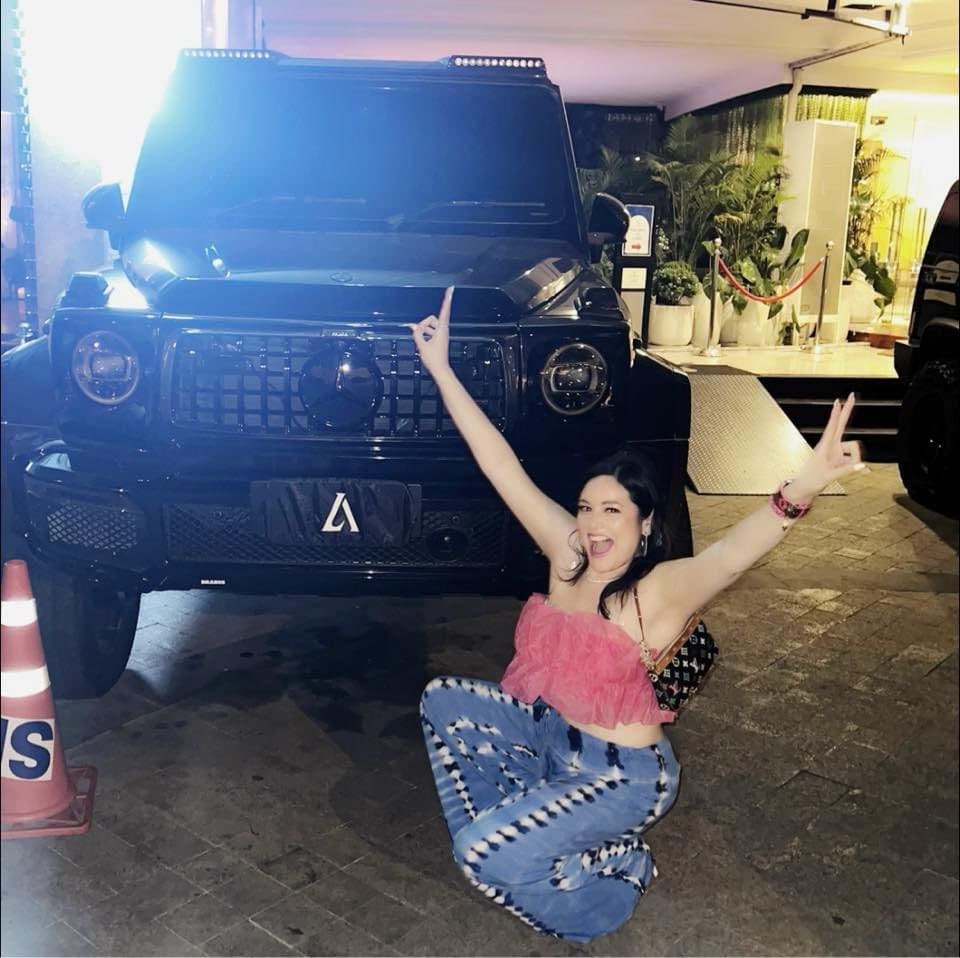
[[639, 238], [635, 261]]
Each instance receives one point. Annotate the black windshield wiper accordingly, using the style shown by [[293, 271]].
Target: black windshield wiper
[[281, 209], [423, 214]]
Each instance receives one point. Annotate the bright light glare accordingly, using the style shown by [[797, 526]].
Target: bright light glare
[[154, 257], [96, 71]]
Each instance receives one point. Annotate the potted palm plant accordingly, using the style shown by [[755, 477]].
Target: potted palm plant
[[671, 315], [692, 172]]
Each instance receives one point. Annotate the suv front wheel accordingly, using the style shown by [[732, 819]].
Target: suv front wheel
[[927, 438], [87, 630]]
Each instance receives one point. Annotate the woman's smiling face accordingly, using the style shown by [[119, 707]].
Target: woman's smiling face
[[609, 526]]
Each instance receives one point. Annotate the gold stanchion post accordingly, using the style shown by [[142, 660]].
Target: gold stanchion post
[[817, 349]]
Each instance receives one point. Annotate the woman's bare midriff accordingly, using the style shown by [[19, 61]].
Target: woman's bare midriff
[[634, 735]]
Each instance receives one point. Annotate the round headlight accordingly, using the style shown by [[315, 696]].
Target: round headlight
[[574, 379], [105, 368]]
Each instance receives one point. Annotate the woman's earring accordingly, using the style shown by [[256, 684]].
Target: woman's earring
[[642, 551]]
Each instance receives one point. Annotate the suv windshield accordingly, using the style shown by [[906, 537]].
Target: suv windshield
[[287, 150]]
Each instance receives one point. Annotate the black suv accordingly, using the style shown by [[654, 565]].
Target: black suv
[[928, 362], [237, 403]]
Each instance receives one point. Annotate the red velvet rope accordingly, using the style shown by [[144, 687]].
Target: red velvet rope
[[767, 299]]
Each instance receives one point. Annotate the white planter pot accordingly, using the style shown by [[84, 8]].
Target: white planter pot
[[773, 328], [863, 309], [670, 325], [835, 328], [754, 326], [844, 312], [729, 321], [701, 320]]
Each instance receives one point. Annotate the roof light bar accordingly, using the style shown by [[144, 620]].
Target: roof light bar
[[502, 63], [216, 54]]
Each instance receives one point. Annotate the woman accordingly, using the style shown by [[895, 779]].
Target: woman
[[549, 779]]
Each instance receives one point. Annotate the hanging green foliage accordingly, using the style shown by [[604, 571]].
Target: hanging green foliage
[[827, 106], [744, 129]]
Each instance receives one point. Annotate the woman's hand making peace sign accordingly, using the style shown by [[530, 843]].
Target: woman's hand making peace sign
[[832, 459]]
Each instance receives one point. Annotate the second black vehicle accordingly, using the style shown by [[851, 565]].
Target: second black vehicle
[[928, 440]]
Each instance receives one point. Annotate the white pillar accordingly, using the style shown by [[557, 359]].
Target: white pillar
[[818, 156]]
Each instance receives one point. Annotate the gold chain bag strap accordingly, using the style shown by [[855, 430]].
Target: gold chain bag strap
[[682, 666]]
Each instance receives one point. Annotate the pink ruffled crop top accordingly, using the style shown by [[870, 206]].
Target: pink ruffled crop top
[[583, 665]]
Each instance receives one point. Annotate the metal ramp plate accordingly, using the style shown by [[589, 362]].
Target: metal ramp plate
[[741, 441]]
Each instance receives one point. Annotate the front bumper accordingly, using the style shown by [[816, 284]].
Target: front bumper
[[167, 533]]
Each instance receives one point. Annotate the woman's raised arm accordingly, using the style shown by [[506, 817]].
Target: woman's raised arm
[[549, 524], [686, 585]]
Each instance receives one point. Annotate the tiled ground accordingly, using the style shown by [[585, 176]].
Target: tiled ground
[[263, 789]]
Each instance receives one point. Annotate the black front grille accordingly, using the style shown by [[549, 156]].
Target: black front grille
[[202, 533], [242, 383]]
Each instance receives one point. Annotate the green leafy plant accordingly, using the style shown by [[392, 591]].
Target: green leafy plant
[[868, 203], [707, 188], [691, 171], [877, 275], [616, 175], [868, 206], [769, 271], [673, 281], [748, 205], [724, 289]]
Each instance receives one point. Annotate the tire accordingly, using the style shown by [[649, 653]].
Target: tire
[[87, 630], [927, 438]]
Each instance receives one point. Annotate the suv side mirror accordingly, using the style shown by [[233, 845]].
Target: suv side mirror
[[609, 222], [103, 208]]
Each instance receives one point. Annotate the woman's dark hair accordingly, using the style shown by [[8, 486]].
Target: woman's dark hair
[[636, 475]]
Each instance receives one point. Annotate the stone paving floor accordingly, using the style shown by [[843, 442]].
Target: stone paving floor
[[264, 791]]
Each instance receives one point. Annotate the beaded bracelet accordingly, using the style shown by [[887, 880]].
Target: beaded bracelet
[[786, 510]]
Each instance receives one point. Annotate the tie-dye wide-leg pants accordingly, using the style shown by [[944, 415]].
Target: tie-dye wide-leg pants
[[546, 820]]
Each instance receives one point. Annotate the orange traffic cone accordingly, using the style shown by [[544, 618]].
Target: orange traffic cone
[[40, 796]]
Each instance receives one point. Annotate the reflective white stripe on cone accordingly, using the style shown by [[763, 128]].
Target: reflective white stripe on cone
[[18, 612], [21, 685]]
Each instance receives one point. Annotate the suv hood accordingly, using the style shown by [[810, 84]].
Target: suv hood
[[380, 276]]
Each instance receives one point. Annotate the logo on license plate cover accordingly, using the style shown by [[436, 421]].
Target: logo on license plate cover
[[341, 506]]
